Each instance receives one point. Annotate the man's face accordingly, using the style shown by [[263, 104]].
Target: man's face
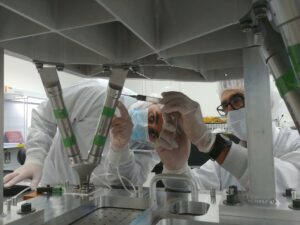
[[232, 99], [155, 122]]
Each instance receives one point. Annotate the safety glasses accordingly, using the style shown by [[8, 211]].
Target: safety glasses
[[236, 101]]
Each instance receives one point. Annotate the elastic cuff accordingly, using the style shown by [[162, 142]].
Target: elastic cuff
[[211, 137], [236, 161], [34, 161], [182, 170], [119, 157]]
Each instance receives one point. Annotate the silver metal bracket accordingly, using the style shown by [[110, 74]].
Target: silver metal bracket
[[50, 80]]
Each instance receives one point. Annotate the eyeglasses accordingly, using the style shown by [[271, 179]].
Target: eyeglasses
[[237, 101]]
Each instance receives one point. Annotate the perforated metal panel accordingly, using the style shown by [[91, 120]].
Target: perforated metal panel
[[109, 216]]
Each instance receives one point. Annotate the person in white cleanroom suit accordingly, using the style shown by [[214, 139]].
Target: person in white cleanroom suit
[[229, 166], [47, 161]]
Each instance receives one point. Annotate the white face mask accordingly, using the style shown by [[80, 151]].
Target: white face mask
[[237, 123]]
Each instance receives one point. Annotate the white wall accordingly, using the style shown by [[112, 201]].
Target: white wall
[[202, 92], [23, 75]]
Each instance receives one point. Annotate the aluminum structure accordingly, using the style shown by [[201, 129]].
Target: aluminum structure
[[172, 39], [165, 39], [51, 83]]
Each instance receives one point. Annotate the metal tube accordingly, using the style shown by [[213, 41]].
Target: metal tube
[[54, 92], [1, 126], [178, 177], [114, 89], [276, 57], [288, 20]]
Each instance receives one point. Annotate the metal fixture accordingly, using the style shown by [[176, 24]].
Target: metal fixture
[[189, 208], [288, 192], [213, 195], [232, 197], [8, 205], [53, 89], [114, 90], [175, 177], [283, 58], [26, 208]]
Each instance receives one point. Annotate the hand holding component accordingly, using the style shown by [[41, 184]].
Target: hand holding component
[[192, 119], [173, 148], [167, 136], [121, 129], [29, 170]]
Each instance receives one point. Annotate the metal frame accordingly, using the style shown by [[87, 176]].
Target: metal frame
[[50, 80]]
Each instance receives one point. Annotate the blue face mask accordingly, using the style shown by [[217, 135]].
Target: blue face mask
[[140, 125]]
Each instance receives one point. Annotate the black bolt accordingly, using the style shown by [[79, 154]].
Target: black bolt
[[231, 199], [288, 192], [295, 204], [26, 207], [246, 25], [233, 190], [39, 65], [60, 67]]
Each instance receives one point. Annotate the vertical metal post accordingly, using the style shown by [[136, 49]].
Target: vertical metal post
[[113, 93], [259, 128], [1, 126]]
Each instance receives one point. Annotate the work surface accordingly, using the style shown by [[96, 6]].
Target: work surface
[[117, 207]]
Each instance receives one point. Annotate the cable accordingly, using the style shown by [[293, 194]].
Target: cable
[[121, 180], [21, 192], [100, 175], [15, 198], [123, 184]]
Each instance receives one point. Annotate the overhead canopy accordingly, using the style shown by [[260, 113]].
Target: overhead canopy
[[192, 40]]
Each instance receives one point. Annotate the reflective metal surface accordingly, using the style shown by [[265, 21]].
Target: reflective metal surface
[[109, 216], [113, 93], [189, 208], [253, 214], [181, 222], [53, 90], [259, 128], [173, 177]]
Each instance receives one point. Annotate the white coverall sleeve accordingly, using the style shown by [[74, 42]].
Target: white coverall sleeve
[[40, 134], [206, 177], [135, 166], [287, 167]]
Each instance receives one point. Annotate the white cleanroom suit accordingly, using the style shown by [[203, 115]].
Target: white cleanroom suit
[[234, 170], [84, 102]]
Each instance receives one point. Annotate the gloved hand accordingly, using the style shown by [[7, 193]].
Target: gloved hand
[[167, 136], [30, 170], [121, 129], [190, 112], [173, 146]]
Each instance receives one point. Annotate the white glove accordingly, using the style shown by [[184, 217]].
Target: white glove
[[167, 136], [193, 125], [173, 147], [121, 129], [30, 170]]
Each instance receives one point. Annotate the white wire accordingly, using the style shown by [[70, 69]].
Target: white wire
[[123, 184], [100, 175], [121, 180], [17, 195]]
